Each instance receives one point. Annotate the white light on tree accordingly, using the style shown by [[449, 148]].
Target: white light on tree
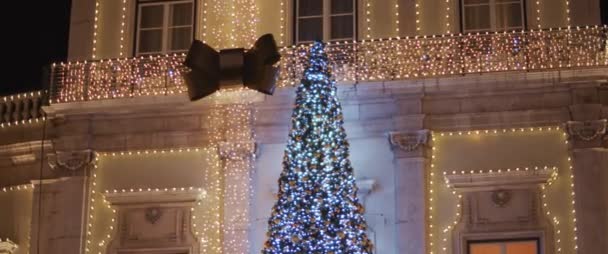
[[317, 209]]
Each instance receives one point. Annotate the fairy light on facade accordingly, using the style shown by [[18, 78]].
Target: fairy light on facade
[[418, 24], [538, 14], [411, 57], [123, 20], [448, 11], [205, 219], [368, 14], [95, 30], [21, 187], [439, 239], [282, 23], [397, 33], [567, 2]]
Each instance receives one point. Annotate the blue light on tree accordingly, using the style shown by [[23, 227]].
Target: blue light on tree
[[317, 210]]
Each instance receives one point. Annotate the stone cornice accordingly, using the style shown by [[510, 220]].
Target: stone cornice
[[496, 180], [154, 196]]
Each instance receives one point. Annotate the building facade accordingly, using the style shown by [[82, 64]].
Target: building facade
[[474, 127]]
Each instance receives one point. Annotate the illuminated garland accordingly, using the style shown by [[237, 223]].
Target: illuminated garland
[[123, 19], [448, 11], [435, 247], [95, 30], [538, 15], [282, 22], [239, 17], [205, 223], [418, 24], [368, 60], [317, 209], [368, 11], [397, 33]]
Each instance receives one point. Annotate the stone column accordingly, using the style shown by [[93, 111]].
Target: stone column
[[589, 153], [237, 166], [409, 148], [58, 215]]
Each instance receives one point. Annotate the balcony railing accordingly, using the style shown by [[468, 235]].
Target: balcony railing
[[384, 59]]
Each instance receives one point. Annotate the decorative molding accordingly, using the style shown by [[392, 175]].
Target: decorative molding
[[7, 246], [587, 130], [71, 162], [233, 150], [154, 196], [155, 220], [501, 204], [499, 180], [409, 141], [501, 197]]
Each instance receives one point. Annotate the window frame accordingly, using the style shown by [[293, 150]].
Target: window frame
[[493, 28], [165, 26], [505, 241], [326, 21]]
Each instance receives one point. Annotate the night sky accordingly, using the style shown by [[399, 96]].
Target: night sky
[[35, 34]]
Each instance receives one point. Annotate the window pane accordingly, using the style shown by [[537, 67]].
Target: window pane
[[485, 248], [180, 38], [342, 27], [508, 16], [522, 248], [341, 6], [151, 16], [310, 8], [476, 2], [150, 41], [477, 17], [181, 14], [310, 29]]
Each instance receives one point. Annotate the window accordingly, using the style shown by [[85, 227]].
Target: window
[[492, 15], [327, 20], [504, 247], [164, 27]]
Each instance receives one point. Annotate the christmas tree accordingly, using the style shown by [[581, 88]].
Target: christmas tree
[[317, 209]]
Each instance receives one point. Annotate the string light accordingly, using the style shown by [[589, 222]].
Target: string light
[[282, 22], [204, 22], [433, 56], [439, 239], [20, 109], [572, 196], [22, 122], [16, 192], [448, 11], [123, 19], [95, 30], [205, 219], [397, 33], [368, 14], [239, 17], [567, 2], [418, 24], [21, 187], [317, 184], [538, 15]]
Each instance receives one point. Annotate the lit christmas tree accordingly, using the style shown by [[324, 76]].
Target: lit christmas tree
[[317, 209]]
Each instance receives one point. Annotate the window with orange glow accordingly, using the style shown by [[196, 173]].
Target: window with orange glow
[[504, 247]]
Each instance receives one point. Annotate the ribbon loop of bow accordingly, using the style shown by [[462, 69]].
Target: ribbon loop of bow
[[212, 70]]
